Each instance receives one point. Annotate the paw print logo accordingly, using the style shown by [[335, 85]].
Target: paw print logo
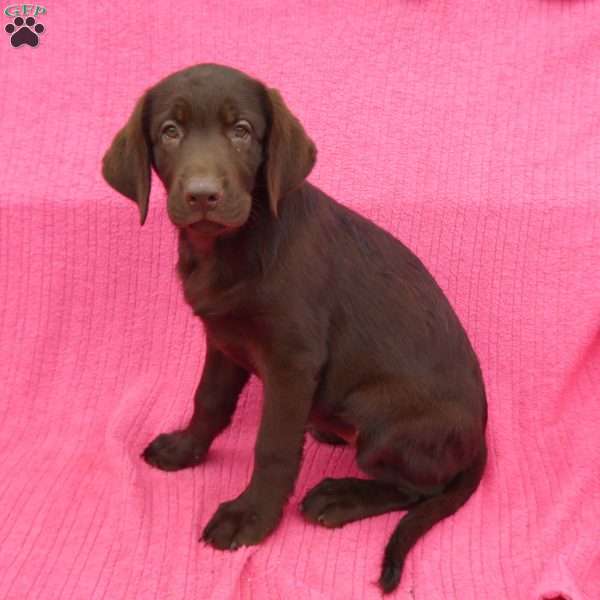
[[26, 33]]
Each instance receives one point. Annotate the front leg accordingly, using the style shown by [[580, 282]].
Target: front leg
[[249, 518], [214, 404]]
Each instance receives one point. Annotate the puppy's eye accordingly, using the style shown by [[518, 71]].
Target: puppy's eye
[[170, 132], [241, 130]]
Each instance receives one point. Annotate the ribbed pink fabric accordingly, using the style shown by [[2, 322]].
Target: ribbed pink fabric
[[471, 130]]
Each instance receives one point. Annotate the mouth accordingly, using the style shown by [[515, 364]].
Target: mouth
[[205, 227]]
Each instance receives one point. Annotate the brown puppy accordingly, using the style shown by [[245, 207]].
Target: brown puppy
[[345, 327]]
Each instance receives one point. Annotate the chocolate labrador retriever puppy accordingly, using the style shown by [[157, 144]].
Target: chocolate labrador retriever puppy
[[349, 333]]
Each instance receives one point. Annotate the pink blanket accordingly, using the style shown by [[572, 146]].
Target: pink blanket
[[471, 130]]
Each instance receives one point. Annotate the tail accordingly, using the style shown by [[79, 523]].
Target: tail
[[420, 519]]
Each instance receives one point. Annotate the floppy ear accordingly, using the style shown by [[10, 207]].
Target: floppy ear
[[126, 164], [291, 154]]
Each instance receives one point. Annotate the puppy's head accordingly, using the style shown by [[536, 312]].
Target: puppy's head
[[217, 139]]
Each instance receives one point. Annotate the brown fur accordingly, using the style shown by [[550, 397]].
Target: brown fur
[[349, 333]]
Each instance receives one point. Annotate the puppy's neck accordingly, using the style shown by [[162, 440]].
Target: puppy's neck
[[231, 257], [200, 245]]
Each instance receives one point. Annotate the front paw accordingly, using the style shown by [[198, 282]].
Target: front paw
[[174, 451], [239, 523]]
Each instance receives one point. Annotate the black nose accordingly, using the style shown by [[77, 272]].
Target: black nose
[[203, 192]]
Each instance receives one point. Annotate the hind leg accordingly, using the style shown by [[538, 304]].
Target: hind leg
[[335, 502], [405, 470]]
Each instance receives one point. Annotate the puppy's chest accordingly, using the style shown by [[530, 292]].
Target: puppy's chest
[[235, 340], [198, 290], [203, 292], [228, 315]]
